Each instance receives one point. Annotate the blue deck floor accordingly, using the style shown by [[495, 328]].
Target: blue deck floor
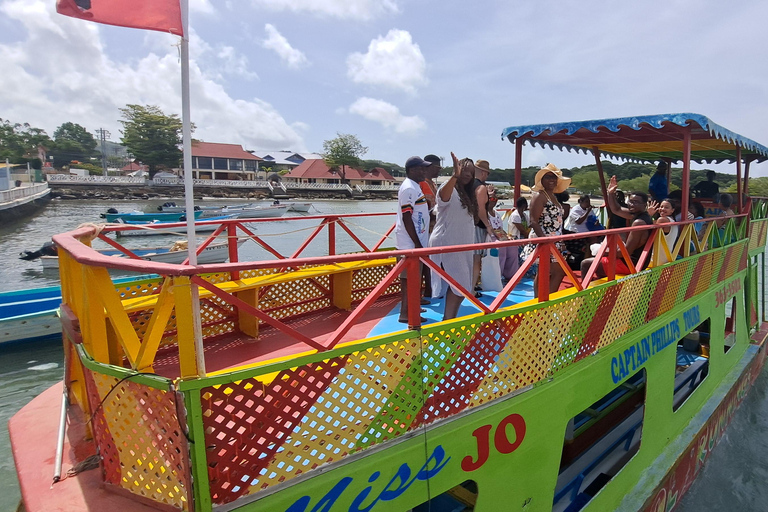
[[434, 311]]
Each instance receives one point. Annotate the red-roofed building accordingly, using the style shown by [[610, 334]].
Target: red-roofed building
[[316, 171], [134, 167], [215, 161]]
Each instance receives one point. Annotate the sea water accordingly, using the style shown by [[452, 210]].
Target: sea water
[[735, 476]]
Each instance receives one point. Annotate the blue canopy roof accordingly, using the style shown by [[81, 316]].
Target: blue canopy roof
[[643, 138]]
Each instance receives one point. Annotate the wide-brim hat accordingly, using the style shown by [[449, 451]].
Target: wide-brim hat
[[483, 165], [562, 182]]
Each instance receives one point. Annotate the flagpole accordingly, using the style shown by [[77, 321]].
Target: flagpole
[[188, 185]]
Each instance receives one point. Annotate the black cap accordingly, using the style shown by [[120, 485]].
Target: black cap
[[416, 161], [433, 159]]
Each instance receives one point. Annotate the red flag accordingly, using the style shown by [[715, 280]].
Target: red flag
[[162, 15]]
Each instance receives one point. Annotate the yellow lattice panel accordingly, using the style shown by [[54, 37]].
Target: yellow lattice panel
[[620, 319], [531, 352], [343, 413], [145, 431]]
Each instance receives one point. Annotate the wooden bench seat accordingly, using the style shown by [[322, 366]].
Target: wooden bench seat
[[342, 284]]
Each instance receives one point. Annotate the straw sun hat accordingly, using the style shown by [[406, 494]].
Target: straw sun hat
[[562, 182]]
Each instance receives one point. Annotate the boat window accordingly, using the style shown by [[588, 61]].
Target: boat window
[[729, 338], [691, 363], [461, 498], [599, 441]]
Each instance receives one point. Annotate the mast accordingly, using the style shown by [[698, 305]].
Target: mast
[[189, 197]]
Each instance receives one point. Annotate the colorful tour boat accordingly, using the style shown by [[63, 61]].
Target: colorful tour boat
[[288, 385]]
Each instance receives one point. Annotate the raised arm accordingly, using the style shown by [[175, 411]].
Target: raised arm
[[613, 204], [447, 189]]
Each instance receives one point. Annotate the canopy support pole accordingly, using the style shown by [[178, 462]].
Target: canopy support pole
[[686, 174], [189, 196], [518, 168], [739, 188], [600, 173], [746, 179]]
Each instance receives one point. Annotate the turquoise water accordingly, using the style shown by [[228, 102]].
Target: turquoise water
[[735, 477]]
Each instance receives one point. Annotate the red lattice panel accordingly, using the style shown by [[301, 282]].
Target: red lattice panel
[[247, 422], [465, 367]]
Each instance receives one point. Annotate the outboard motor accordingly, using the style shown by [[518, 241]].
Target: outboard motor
[[48, 249], [111, 210]]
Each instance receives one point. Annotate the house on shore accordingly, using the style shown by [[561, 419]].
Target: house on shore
[[216, 161], [276, 161], [316, 171]]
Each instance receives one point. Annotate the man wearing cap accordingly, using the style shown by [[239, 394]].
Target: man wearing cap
[[411, 228], [429, 188], [482, 224]]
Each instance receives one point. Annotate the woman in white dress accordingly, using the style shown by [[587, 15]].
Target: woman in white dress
[[455, 225]]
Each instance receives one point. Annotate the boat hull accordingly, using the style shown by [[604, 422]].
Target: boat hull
[[263, 212], [31, 315], [24, 206], [214, 253]]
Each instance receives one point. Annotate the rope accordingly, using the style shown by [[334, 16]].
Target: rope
[[97, 229], [382, 235], [87, 464]]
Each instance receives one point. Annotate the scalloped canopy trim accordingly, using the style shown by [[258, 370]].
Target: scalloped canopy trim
[[643, 138]]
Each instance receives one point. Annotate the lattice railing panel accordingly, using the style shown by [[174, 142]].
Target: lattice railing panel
[[366, 279], [129, 291], [302, 418], [140, 439], [247, 422], [217, 317], [293, 298]]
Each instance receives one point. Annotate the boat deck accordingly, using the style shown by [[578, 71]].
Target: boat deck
[[236, 350]]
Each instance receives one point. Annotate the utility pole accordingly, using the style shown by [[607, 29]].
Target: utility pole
[[103, 135]]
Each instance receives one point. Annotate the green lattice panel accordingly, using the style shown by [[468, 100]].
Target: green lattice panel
[[572, 341]]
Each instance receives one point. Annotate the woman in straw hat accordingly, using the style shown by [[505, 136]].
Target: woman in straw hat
[[547, 218]]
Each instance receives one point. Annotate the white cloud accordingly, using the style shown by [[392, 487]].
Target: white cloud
[[59, 72], [350, 9], [277, 42], [393, 61], [387, 115], [201, 6]]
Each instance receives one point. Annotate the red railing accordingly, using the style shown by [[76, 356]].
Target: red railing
[[546, 253]]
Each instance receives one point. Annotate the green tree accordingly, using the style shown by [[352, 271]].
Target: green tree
[[587, 182], [758, 187], [19, 142], [72, 142], [153, 137], [639, 184], [343, 151]]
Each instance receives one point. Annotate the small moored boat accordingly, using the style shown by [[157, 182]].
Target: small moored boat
[[158, 228], [177, 253], [141, 217]]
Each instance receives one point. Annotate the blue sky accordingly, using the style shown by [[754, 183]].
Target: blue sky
[[408, 77]]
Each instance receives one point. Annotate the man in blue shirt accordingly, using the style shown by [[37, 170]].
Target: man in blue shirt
[[658, 184]]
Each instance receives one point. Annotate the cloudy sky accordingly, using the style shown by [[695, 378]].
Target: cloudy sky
[[408, 77]]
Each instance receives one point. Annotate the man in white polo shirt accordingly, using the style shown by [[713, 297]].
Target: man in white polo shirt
[[412, 227]]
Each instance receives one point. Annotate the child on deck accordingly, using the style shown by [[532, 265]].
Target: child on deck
[[508, 256]]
